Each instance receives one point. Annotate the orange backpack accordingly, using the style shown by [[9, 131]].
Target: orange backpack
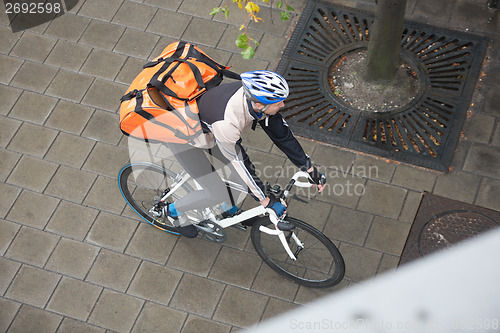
[[160, 104]]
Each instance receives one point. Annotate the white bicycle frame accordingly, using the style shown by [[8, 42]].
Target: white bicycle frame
[[248, 214]]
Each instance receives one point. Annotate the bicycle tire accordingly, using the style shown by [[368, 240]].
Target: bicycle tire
[[319, 264], [141, 185]]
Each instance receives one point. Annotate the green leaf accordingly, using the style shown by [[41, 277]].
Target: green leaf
[[284, 16], [215, 11], [225, 11], [248, 53], [242, 41], [279, 4], [289, 8]]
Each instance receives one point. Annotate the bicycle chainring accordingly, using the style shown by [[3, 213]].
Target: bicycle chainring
[[211, 231]]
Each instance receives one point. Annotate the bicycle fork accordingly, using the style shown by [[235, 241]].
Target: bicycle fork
[[284, 242]]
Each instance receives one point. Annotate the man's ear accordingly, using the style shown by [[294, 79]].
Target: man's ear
[[259, 106]]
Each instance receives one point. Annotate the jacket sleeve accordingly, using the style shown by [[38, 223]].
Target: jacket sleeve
[[279, 132], [229, 141]]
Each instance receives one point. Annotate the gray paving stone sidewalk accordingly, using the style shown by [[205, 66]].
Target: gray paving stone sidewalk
[[74, 258]]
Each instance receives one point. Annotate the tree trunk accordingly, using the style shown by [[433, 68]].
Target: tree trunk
[[385, 39]]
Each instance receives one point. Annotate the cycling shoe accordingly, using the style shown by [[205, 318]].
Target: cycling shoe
[[188, 231]]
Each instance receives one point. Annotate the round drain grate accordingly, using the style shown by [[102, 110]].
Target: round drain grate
[[424, 131], [442, 222], [449, 228]]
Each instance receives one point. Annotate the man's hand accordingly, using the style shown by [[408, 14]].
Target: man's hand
[[278, 207], [316, 177]]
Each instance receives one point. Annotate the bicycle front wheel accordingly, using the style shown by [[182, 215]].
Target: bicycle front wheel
[[318, 263], [142, 185]]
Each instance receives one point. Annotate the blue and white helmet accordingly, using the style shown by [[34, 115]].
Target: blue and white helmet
[[265, 87]]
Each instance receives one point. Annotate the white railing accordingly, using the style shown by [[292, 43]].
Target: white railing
[[454, 290]]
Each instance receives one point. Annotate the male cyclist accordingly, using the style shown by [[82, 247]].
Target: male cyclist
[[225, 112]]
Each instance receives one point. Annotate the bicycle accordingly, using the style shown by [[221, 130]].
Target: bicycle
[[291, 247]]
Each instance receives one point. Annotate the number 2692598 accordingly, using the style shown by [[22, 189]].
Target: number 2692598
[[32, 8]]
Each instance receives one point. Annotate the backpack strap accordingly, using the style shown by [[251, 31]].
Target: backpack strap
[[193, 52], [177, 54], [146, 115], [160, 85], [230, 74], [128, 96]]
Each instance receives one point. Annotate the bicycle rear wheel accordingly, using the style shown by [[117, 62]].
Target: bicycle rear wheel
[[142, 185], [319, 263]]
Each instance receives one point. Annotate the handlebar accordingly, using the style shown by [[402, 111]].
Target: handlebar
[[300, 174], [295, 181]]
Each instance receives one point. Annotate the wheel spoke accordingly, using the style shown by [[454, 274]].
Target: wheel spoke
[[142, 185]]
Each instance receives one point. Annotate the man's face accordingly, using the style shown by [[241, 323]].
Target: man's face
[[272, 109]]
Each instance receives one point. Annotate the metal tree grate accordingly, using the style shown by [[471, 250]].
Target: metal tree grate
[[423, 132]]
